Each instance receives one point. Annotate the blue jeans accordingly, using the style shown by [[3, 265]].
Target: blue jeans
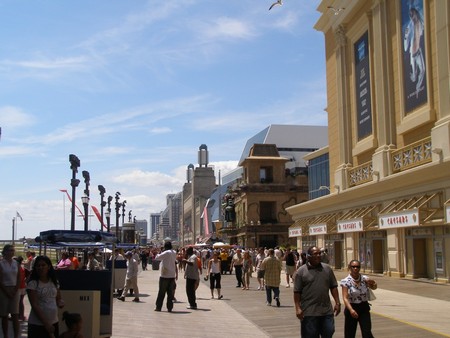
[[317, 326], [276, 293]]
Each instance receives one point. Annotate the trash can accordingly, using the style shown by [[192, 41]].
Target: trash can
[[155, 265]]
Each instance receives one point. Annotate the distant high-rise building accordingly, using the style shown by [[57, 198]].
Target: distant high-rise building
[[155, 219]]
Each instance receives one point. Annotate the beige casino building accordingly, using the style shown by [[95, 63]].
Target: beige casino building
[[387, 200]]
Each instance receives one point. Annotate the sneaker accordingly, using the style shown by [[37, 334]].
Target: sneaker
[[136, 300], [212, 297], [278, 301], [288, 286], [191, 307], [268, 304], [157, 310], [221, 296], [121, 298], [259, 288]]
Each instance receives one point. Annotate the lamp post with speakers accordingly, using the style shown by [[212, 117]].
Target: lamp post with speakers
[[85, 199], [74, 165], [102, 191], [108, 215], [118, 205]]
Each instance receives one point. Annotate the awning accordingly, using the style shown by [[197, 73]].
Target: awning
[[304, 224], [358, 219], [426, 209]]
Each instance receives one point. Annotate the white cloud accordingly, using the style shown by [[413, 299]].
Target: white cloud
[[14, 117], [224, 27], [161, 130], [143, 179]]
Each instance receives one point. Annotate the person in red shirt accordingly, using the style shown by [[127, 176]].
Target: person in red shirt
[[22, 288]]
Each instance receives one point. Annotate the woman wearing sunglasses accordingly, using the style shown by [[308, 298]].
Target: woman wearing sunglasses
[[355, 293]]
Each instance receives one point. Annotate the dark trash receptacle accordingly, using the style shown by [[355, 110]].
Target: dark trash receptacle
[[155, 265]]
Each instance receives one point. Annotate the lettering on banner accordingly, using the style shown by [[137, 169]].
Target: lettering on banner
[[404, 219]]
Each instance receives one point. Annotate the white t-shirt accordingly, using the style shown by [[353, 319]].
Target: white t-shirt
[[168, 263], [46, 300]]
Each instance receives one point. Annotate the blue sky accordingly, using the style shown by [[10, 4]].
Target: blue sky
[[133, 88]]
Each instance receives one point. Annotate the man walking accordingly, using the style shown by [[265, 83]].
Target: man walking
[[130, 278], [168, 276], [237, 262], [192, 276], [291, 261], [272, 271], [312, 284]]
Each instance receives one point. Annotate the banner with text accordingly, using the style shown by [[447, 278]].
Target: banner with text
[[401, 219], [351, 225]]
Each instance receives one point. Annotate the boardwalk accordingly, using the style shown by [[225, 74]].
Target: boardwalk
[[403, 308]]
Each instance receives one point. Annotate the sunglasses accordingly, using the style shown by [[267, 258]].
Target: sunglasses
[[355, 267]]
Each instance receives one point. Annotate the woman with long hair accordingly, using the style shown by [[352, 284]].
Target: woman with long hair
[[45, 298], [355, 291]]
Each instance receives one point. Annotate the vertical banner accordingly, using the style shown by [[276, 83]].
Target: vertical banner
[[414, 65], [362, 87]]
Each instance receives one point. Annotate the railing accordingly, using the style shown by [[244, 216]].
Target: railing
[[360, 174], [411, 156]]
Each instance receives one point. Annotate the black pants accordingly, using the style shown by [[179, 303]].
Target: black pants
[[190, 291], [238, 269], [39, 331], [166, 286], [214, 280], [365, 323]]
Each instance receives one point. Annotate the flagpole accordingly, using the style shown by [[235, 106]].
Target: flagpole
[[13, 222]]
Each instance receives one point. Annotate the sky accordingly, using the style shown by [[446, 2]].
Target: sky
[[133, 88]]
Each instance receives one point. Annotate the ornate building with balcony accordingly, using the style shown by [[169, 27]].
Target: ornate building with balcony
[[388, 91], [255, 205]]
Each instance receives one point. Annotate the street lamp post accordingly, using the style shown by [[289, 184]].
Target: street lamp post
[[74, 164], [85, 199], [102, 190], [123, 211], [108, 215], [118, 205]]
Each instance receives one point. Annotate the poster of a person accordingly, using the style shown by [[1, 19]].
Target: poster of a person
[[413, 28]]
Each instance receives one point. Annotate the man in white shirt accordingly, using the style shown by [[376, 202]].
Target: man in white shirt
[[131, 277], [168, 277]]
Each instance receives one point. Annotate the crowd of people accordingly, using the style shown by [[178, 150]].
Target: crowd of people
[[311, 277]]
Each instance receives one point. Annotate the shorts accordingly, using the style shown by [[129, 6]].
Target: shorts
[[260, 274], [290, 269], [9, 305]]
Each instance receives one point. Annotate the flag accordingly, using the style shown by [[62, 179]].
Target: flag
[[70, 199], [99, 216], [205, 217], [18, 216]]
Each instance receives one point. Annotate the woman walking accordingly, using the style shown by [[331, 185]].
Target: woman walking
[[45, 298], [355, 292], [214, 274], [247, 269]]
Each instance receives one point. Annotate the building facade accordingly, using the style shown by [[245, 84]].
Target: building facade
[[260, 198], [201, 182], [388, 68]]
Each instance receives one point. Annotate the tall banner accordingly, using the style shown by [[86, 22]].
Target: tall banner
[[362, 87], [414, 61]]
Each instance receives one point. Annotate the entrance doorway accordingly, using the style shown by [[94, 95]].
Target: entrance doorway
[[377, 256], [338, 260], [420, 258]]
